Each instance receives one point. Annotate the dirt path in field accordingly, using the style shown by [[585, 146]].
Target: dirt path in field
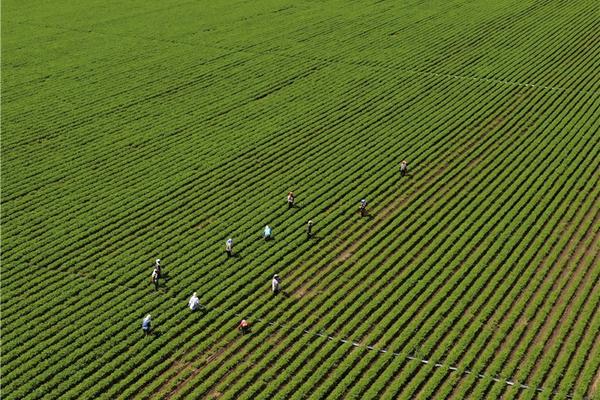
[[460, 155], [594, 387], [554, 315], [596, 384], [571, 247], [210, 358], [429, 202], [347, 249]]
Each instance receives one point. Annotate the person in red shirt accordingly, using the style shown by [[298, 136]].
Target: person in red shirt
[[244, 326]]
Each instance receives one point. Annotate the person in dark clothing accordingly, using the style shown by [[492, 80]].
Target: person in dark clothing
[[309, 228], [403, 168], [363, 207], [290, 199]]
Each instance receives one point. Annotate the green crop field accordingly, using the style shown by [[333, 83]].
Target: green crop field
[[136, 130]]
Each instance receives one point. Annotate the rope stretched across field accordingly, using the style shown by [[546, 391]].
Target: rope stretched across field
[[452, 368]]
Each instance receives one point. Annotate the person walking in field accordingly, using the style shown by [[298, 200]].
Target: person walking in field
[[194, 302], [229, 247], [156, 274], [309, 228], [363, 207], [403, 168], [275, 284], [244, 326], [155, 277], [146, 324], [267, 232], [290, 199]]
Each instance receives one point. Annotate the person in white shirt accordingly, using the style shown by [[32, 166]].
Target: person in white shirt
[[267, 232], [155, 277], [229, 247], [146, 322], [194, 302], [156, 274], [275, 284]]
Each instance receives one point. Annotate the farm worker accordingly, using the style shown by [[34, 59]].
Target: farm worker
[[267, 233], [156, 276], [403, 168], [229, 247], [363, 207], [194, 302], [244, 326], [146, 325], [290, 199], [156, 273], [309, 228], [275, 284]]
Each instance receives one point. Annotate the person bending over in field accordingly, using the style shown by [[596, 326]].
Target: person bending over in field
[[229, 247], [244, 326], [290, 199], [194, 302], [363, 207], [275, 284], [309, 229], [146, 322], [403, 168], [267, 233]]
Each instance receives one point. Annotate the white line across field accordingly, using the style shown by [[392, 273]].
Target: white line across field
[[509, 382]]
